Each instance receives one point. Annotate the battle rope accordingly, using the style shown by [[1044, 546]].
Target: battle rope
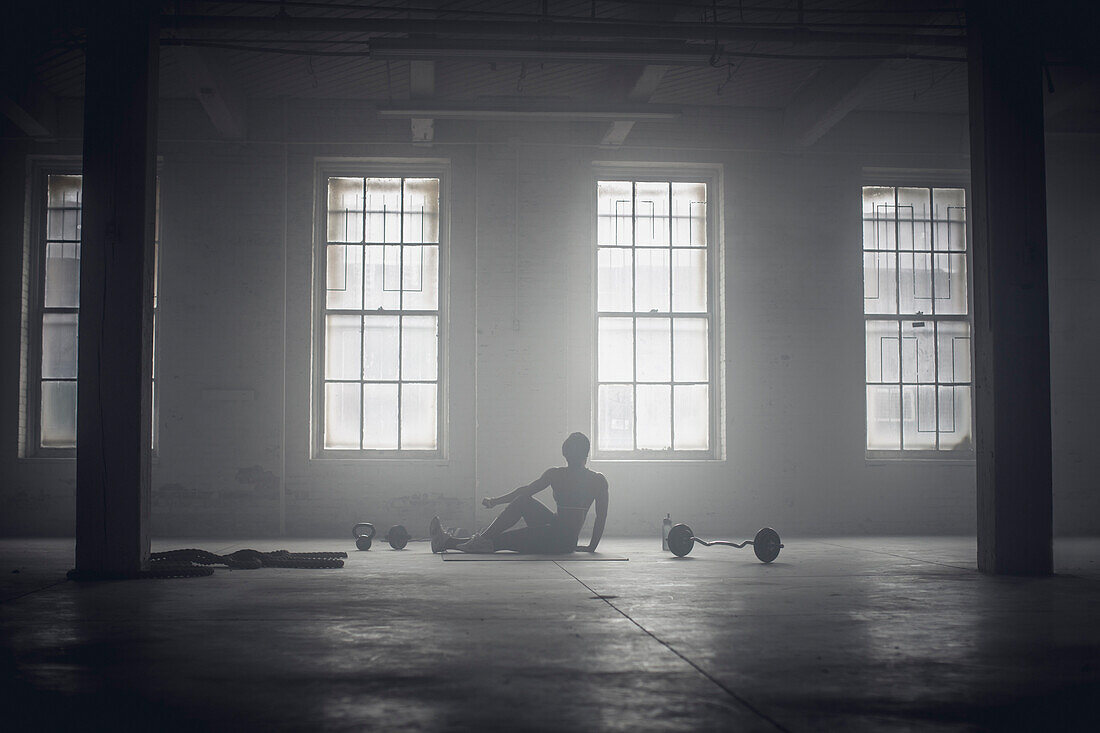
[[191, 563], [251, 559]]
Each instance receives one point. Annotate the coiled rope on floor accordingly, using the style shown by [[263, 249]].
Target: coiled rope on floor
[[193, 563], [251, 559]]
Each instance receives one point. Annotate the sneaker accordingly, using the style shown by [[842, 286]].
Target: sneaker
[[439, 537], [478, 543]]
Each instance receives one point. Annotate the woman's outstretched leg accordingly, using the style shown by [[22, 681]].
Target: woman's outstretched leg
[[529, 509], [533, 512]]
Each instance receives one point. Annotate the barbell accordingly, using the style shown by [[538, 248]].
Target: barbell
[[397, 536], [766, 544]]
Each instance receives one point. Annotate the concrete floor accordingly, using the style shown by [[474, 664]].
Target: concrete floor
[[837, 634]]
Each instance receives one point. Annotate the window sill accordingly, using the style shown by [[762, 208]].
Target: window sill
[[946, 457], [357, 457], [656, 459], [47, 459]]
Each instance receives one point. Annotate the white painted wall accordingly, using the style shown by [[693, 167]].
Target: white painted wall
[[237, 228]]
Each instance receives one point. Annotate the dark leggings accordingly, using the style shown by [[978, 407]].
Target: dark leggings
[[543, 535]]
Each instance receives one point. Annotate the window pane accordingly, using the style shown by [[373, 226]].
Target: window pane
[[383, 209], [689, 280], [63, 207], [342, 416], [63, 224], [919, 426], [883, 418], [651, 225], [651, 280], [59, 332], [954, 351], [342, 348], [421, 207], [616, 350], [691, 360], [916, 282], [420, 265], [880, 287], [654, 417], [345, 209], [419, 347], [955, 418], [914, 211], [58, 415], [380, 352], [615, 277], [689, 214], [614, 212], [658, 274], [951, 284], [927, 356], [616, 417], [383, 278], [882, 351], [654, 350], [418, 417], [380, 416], [63, 191], [918, 352], [950, 211], [878, 218], [344, 276], [691, 405]]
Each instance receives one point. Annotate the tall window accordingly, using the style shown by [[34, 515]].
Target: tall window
[[54, 293], [58, 300], [379, 357], [917, 315], [655, 387]]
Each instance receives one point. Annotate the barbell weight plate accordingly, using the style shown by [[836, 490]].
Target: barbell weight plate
[[368, 530], [398, 537], [363, 542], [680, 540], [766, 544]]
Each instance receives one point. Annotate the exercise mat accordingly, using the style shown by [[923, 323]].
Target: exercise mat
[[516, 557]]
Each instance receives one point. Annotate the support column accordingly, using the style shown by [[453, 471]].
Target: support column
[[114, 419], [1011, 314]]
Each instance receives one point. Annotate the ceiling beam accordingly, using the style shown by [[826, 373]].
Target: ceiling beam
[[615, 133], [422, 87], [33, 112], [224, 105], [535, 111], [669, 53], [646, 79], [543, 29], [830, 95], [1069, 93]]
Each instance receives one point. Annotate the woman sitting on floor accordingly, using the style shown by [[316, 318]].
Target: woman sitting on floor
[[575, 488]]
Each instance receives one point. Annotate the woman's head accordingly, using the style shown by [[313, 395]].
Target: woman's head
[[575, 449]]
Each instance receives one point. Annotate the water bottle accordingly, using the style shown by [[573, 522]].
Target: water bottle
[[666, 526]]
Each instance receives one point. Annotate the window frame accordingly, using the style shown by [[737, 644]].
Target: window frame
[[711, 176], [39, 169], [34, 273], [929, 180], [375, 168]]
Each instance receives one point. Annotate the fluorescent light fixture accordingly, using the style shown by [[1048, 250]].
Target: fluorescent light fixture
[[596, 113]]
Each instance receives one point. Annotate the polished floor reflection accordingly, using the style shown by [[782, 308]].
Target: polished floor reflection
[[838, 633]]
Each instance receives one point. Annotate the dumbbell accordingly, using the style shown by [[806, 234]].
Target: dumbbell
[[364, 532], [766, 544]]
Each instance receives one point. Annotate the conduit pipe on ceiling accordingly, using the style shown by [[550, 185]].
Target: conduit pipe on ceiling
[[713, 32]]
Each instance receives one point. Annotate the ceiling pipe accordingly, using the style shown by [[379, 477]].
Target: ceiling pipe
[[708, 32]]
